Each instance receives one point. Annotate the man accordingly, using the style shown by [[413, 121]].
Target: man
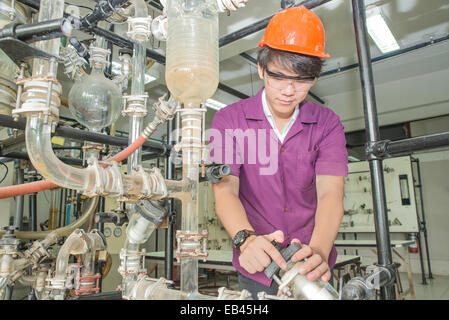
[[296, 196]]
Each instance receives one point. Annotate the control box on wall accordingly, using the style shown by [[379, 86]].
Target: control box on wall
[[400, 196]]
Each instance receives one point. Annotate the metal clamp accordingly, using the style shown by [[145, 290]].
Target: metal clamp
[[139, 29], [132, 262], [99, 57], [189, 245], [135, 105], [377, 150]]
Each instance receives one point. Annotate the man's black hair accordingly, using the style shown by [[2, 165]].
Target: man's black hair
[[301, 64]]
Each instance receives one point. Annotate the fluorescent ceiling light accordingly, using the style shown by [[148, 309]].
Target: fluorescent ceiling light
[[379, 31], [214, 104], [117, 70]]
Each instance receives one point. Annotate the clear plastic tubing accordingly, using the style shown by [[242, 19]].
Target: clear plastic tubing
[[192, 77], [38, 143]]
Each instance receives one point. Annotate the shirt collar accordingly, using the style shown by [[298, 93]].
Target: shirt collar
[[268, 113]]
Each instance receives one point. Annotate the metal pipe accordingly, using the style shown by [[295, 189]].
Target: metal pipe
[[83, 135], [31, 3], [24, 156], [39, 31], [418, 143], [19, 199], [423, 222], [102, 11], [373, 135], [33, 208], [101, 209], [169, 174], [387, 55], [262, 24]]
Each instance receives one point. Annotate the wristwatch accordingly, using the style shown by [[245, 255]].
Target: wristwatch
[[241, 236]]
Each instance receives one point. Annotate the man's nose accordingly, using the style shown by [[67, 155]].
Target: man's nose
[[289, 90]]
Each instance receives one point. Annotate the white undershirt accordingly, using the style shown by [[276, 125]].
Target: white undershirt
[[270, 119]]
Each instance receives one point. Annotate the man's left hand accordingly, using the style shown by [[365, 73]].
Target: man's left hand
[[316, 265]]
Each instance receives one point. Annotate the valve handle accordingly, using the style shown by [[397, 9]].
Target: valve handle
[[287, 253]]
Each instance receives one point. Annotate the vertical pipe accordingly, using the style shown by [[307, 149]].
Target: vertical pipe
[[19, 199], [8, 294], [424, 219], [61, 210], [78, 205], [33, 209], [169, 174], [53, 215], [372, 135], [101, 209], [65, 208]]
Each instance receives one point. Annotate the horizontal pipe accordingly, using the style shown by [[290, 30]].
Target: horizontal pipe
[[418, 143], [34, 4], [24, 156], [43, 30], [262, 24], [388, 55], [102, 11], [77, 134]]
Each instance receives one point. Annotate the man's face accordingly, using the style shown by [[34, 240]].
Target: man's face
[[283, 96]]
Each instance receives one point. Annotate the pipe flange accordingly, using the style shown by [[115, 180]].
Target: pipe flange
[[135, 105], [139, 28], [99, 57], [36, 98], [98, 187]]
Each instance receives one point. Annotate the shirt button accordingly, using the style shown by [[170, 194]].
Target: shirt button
[[288, 236], [286, 209], [282, 178], [282, 149]]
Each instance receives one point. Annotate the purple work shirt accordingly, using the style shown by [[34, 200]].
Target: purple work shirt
[[277, 180]]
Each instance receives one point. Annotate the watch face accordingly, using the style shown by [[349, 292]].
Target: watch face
[[239, 237]]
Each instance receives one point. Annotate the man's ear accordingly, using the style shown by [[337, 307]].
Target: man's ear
[[260, 70]]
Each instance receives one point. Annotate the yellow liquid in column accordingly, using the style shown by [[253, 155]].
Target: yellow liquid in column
[[192, 58]]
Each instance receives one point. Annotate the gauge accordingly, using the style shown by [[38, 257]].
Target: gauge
[[107, 232], [117, 232]]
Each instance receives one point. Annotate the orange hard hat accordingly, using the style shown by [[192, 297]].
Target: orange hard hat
[[296, 29]]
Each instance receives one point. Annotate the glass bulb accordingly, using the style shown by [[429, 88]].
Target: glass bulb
[[95, 101]]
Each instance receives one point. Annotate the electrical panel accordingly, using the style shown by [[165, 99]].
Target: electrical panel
[[400, 196]]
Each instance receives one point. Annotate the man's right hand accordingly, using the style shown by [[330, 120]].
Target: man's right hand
[[257, 252]]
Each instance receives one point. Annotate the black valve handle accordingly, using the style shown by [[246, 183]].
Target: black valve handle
[[287, 253]]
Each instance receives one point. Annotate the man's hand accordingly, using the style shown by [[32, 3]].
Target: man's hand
[[316, 265], [257, 252]]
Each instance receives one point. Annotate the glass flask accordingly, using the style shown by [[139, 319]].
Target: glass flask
[[94, 100], [192, 50]]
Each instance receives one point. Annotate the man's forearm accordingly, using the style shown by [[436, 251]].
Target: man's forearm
[[231, 213], [327, 221]]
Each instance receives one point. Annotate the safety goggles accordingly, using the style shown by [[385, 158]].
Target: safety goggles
[[281, 81]]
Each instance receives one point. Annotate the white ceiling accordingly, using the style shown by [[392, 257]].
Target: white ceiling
[[409, 86]]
